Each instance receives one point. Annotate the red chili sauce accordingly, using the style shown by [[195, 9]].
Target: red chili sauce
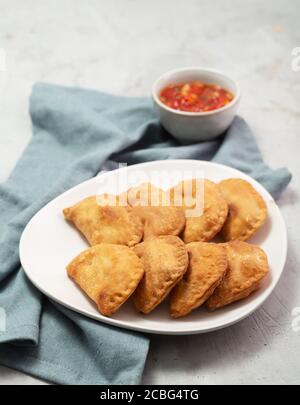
[[195, 96]]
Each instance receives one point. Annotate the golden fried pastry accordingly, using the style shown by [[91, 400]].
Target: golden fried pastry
[[247, 209], [161, 220], [105, 223], [165, 261], [108, 274], [207, 267], [247, 265], [146, 194], [153, 207], [196, 194]]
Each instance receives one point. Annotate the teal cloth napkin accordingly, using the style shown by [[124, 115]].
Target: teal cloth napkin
[[75, 132]]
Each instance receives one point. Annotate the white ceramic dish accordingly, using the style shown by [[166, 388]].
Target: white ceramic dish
[[196, 126], [48, 243]]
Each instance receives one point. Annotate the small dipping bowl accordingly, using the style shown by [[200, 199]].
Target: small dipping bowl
[[190, 127]]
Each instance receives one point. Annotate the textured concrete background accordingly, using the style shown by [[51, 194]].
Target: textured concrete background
[[121, 47]]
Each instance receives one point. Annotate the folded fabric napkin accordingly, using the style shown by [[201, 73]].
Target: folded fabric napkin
[[75, 132]]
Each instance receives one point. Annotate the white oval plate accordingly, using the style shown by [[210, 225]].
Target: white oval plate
[[48, 244]]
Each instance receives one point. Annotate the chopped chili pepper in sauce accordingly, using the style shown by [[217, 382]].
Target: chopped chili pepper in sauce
[[195, 96]]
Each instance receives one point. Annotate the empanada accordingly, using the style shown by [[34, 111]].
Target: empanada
[[247, 209], [205, 225], [247, 265], [207, 267], [108, 224], [152, 205], [165, 261], [108, 274]]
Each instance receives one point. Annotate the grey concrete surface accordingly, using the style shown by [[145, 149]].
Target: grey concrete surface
[[121, 46]]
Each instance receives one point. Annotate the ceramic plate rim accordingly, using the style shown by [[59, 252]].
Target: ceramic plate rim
[[120, 323]]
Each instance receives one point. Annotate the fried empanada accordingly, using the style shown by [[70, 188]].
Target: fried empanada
[[105, 223], [146, 194], [247, 209], [207, 267], [153, 207], [108, 274], [165, 261], [247, 265], [205, 225]]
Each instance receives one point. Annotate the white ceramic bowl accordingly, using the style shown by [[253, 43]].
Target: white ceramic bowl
[[196, 126]]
